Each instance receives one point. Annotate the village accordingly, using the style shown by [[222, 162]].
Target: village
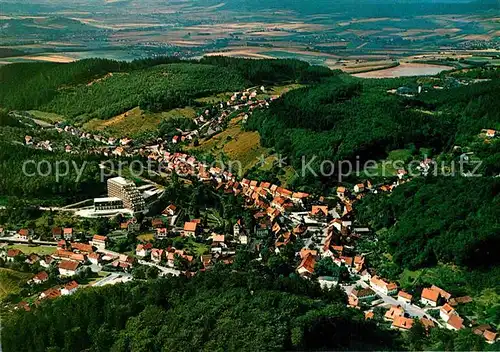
[[327, 226]]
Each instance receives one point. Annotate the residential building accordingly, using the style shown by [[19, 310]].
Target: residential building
[[393, 312], [402, 323], [94, 258], [170, 210], [127, 192], [12, 254], [69, 288], [455, 322], [190, 229], [404, 297], [68, 268], [41, 277], [429, 297], [446, 311], [387, 288], [99, 241], [25, 234], [306, 266], [157, 255], [143, 250], [68, 233], [51, 293]]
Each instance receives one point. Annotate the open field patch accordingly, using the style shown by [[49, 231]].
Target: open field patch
[[136, 121], [405, 69], [40, 250]]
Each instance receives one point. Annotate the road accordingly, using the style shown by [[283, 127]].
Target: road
[[164, 270], [108, 280], [18, 240], [411, 309]]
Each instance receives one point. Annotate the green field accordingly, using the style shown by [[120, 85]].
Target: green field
[[40, 250], [136, 121]]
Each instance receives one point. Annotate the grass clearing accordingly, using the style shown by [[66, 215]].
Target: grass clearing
[[136, 121], [46, 116], [400, 154], [39, 250], [146, 237], [11, 281], [237, 145]]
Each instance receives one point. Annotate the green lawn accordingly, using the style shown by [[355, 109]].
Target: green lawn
[[40, 250], [400, 154]]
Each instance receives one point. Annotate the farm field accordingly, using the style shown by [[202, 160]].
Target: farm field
[[405, 69]]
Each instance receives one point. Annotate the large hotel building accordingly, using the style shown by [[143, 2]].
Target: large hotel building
[[127, 191]]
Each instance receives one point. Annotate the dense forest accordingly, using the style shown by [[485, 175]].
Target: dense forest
[[447, 219], [217, 310], [47, 190], [343, 117], [98, 88]]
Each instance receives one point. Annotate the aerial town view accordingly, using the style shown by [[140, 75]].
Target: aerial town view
[[279, 175]]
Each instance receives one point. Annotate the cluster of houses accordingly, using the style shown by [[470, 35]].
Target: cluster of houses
[[211, 121]]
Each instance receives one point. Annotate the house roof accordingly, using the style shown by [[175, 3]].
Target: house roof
[[393, 312], [404, 295], [56, 231], [430, 294], [13, 252], [68, 265], [490, 335], [52, 292], [455, 321], [364, 292], [42, 276], [99, 238], [319, 210], [68, 231], [71, 285], [369, 315], [24, 232], [82, 247], [447, 309], [190, 226], [402, 322], [441, 292], [308, 263]]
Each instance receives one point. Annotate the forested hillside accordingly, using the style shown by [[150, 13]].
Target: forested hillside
[[446, 219], [97, 88], [249, 310], [344, 117]]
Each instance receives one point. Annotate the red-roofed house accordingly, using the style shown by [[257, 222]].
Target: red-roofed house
[[156, 255], [25, 234], [68, 268], [99, 241], [51, 293], [190, 229], [404, 297], [402, 323], [69, 288], [41, 277], [388, 288], [455, 322], [13, 253], [306, 266], [68, 233], [429, 297], [143, 250]]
